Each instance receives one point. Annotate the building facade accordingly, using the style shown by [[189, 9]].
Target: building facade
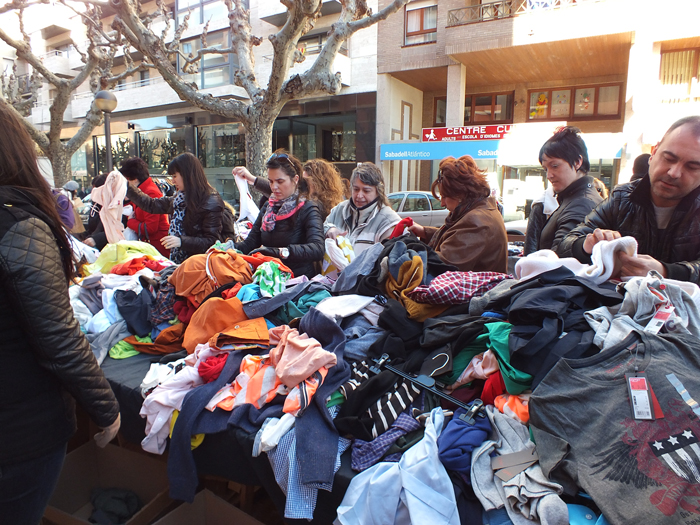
[[504, 74], [152, 122]]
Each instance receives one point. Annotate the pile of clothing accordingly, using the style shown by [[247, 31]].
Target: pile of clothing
[[505, 398]]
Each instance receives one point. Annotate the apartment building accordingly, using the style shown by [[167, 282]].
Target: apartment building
[[493, 79], [151, 121]]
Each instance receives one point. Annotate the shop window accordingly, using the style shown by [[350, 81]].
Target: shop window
[[157, 148], [421, 25], [214, 69], [488, 108], [221, 146], [678, 74], [572, 103]]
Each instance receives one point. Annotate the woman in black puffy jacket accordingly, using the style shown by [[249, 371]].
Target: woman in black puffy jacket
[[288, 227], [47, 363], [196, 208]]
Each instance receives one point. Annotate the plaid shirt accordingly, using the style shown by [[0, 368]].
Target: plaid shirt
[[367, 453], [456, 287]]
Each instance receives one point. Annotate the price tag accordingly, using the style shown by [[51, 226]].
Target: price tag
[[640, 397], [663, 314]]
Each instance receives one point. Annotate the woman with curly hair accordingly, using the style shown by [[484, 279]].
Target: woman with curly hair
[[473, 237], [321, 182]]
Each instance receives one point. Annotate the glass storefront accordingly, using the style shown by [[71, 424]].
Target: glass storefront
[[122, 148], [159, 147]]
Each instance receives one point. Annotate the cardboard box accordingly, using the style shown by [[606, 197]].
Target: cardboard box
[[207, 509], [90, 467]]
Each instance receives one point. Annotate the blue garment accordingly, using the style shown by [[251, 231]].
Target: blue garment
[[102, 342], [417, 489], [267, 305], [249, 292], [319, 437], [25, 487], [362, 265], [301, 498], [158, 329], [367, 453], [399, 254], [459, 439], [496, 517], [360, 334]]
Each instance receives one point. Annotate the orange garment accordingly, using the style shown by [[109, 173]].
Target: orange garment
[[210, 318], [257, 259], [257, 384], [231, 292], [514, 406], [129, 267], [296, 357], [167, 342], [300, 396], [253, 331], [410, 277], [201, 274]]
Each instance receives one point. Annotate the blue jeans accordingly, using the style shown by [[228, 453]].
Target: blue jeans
[[25, 487]]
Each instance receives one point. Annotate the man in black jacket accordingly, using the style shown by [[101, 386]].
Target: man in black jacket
[[660, 210]]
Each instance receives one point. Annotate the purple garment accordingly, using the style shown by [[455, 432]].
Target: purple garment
[[64, 207], [459, 439], [367, 453]]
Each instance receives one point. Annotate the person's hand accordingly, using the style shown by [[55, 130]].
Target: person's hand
[[334, 233], [90, 242], [133, 183], [417, 230], [171, 241], [243, 173], [108, 434], [599, 235], [267, 251], [639, 266]]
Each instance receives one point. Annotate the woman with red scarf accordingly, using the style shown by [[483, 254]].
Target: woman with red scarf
[[289, 226]]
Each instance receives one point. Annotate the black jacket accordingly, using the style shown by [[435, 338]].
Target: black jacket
[[535, 223], [629, 210], [46, 360], [302, 234], [575, 202], [202, 226]]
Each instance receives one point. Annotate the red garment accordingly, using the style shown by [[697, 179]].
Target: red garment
[[129, 267], [184, 311], [231, 292], [257, 259], [150, 227], [400, 227], [210, 370], [156, 266], [493, 388]]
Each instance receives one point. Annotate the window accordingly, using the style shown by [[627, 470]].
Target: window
[[421, 25], [312, 45], [488, 108], [202, 11], [679, 74], [584, 102], [144, 77], [214, 69], [395, 201], [416, 202], [436, 204], [221, 146]]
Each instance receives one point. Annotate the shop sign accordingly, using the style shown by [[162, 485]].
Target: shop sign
[[487, 149], [491, 132]]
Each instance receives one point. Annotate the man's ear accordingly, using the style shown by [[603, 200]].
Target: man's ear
[[654, 148]]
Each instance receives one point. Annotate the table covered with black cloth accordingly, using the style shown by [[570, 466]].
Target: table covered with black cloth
[[225, 454]]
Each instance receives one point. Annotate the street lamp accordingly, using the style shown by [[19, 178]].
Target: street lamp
[[106, 102]]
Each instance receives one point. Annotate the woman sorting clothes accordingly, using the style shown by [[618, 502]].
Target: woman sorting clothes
[[321, 182], [366, 218], [47, 361], [565, 159], [196, 209], [289, 225], [473, 237]]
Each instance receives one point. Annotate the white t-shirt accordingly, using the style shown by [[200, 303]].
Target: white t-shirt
[[663, 215]]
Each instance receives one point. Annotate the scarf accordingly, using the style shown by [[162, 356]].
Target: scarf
[[177, 255], [280, 209], [360, 217]]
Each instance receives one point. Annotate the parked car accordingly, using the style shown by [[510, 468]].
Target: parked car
[[421, 206]]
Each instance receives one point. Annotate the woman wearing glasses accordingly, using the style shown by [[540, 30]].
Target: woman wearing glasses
[[473, 237], [366, 218], [196, 209], [289, 226]]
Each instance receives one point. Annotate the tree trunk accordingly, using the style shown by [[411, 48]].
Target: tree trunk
[[60, 163], [258, 145]]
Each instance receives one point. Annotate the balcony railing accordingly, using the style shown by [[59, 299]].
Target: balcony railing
[[123, 87], [506, 9]]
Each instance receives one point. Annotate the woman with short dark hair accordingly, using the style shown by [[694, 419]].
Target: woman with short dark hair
[[366, 217], [150, 227], [473, 237], [196, 209], [47, 361], [289, 227], [564, 156]]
